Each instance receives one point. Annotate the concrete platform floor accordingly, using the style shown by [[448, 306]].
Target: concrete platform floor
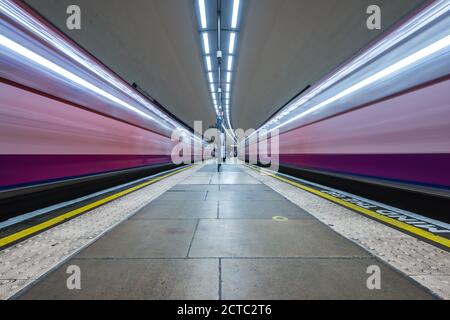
[[224, 236]]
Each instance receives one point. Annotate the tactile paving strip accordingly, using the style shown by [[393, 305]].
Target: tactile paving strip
[[423, 262], [25, 262]]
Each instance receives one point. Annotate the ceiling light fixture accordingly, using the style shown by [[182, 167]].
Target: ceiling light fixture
[[232, 42], [208, 63], [201, 6], [206, 42], [228, 77], [234, 18], [210, 37], [230, 63]]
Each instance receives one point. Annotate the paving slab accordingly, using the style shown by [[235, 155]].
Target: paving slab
[[178, 210], [183, 195], [230, 168], [261, 209], [233, 178], [244, 187], [197, 180], [243, 196], [203, 175], [300, 279], [268, 238], [154, 279], [196, 187], [144, 239], [223, 168], [211, 168]]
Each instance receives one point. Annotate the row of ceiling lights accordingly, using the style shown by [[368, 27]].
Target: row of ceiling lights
[[220, 91]]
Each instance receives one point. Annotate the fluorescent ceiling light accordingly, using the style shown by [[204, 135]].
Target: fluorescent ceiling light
[[232, 42], [213, 95], [230, 63], [227, 95], [210, 76], [213, 89], [208, 63], [201, 6], [206, 42], [228, 76], [228, 87], [235, 15]]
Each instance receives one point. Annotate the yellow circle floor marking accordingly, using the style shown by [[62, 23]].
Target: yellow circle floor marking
[[280, 219]]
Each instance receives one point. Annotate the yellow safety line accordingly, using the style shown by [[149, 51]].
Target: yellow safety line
[[49, 223], [419, 232]]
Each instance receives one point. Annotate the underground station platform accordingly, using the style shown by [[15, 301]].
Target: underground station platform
[[225, 158], [231, 235]]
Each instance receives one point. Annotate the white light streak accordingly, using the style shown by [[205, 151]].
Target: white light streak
[[201, 6]]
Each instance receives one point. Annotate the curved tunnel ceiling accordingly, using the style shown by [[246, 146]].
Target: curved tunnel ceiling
[[285, 45]]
